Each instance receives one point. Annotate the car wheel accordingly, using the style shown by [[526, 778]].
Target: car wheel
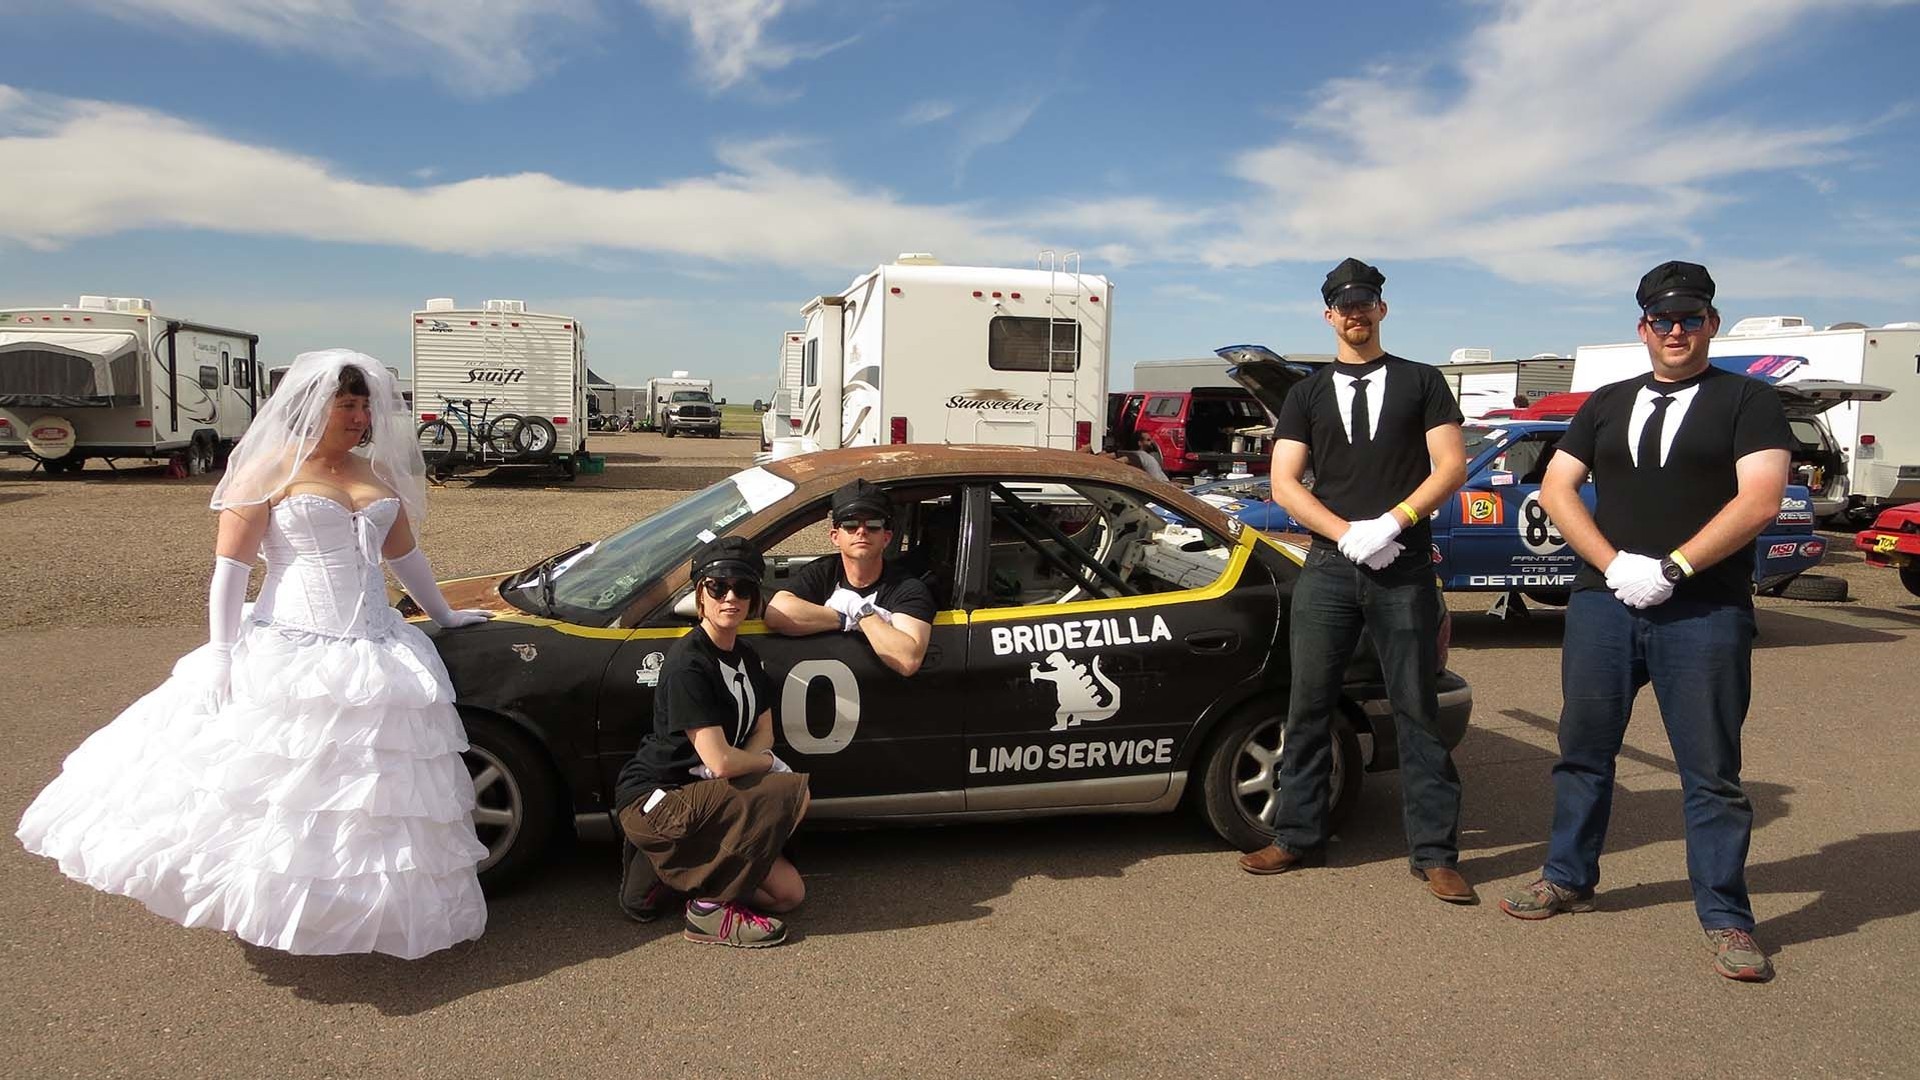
[[516, 800], [1240, 788], [1822, 587], [1910, 577], [667, 430]]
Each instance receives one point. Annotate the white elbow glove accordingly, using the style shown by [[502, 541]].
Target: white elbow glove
[[1365, 540], [1637, 580], [225, 595], [415, 576]]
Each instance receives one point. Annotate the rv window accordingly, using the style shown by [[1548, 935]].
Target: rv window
[[812, 363], [242, 375], [1027, 343], [209, 377], [226, 366]]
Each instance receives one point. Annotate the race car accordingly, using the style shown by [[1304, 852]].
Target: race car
[[1894, 541], [1103, 642], [1494, 536]]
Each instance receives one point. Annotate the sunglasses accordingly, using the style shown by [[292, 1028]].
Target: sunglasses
[[869, 524], [1664, 324], [741, 588]]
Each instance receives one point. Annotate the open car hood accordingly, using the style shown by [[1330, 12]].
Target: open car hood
[[1265, 373], [1811, 397]]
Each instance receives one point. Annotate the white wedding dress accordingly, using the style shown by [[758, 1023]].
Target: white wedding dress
[[324, 808]]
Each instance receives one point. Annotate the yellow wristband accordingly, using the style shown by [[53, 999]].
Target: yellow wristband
[[1413, 516], [1685, 566]]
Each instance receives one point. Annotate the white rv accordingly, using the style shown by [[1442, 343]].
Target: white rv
[[532, 366], [1482, 384], [782, 416], [919, 352], [1876, 434], [110, 379]]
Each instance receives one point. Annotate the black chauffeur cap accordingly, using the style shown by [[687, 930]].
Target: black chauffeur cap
[[1352, 282], [729, 557], [1675, 286], [861, 499]]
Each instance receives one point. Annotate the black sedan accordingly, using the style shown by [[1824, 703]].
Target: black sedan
[[1104, 644]]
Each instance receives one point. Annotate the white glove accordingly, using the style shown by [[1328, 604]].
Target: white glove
[[850, 605], [1364, 539], [415, 576], [225, 595], [1385, 556], [705, 773], [1637, 580]]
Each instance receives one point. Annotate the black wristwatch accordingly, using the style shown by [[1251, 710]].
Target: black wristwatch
[[1672, 570]]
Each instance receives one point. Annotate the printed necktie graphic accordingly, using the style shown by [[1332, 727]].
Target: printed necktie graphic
[[1649, 456], [1362, 433]]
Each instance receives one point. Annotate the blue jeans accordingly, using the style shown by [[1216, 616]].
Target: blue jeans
[[1399, 608], [1699, 657]]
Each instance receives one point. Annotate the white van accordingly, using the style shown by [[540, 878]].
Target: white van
[[111, 379]]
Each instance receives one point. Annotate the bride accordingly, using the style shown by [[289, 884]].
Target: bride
[[297, 782]]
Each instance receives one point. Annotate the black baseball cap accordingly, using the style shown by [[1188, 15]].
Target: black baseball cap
[[861, 499], [729, 557], [1352, 282], [1675, 286]]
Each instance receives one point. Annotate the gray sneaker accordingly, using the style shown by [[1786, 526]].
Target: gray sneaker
[[1737, 956], [1544, 899], [734, 924]]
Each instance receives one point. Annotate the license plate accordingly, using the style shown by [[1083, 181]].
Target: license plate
[[1885, 543]]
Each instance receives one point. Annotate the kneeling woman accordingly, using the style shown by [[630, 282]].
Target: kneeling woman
[[704, 798]]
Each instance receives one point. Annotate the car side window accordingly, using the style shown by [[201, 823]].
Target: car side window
[[1526, 457], [1057, 543]]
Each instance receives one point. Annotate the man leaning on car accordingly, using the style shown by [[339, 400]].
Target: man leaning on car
[[859, 591], [1382, 435]]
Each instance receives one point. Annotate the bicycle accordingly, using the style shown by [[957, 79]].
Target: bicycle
[[498, 438]]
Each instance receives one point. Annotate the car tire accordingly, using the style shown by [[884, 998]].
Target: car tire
[[667, 430], [1910, 577], [1238, 778], [516, 799], [1822, 587]]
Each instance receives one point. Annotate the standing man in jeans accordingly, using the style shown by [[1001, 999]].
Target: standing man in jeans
[[1382, 435], [1688, 465]]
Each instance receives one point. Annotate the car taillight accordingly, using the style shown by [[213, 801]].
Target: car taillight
[[143, 423], [1866, 440], [1082, 434], [426, 416], [897, 429]]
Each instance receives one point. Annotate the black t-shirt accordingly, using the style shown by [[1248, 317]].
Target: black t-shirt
[[1365, 483], [700, 686], [1715, 419], [897, 590]]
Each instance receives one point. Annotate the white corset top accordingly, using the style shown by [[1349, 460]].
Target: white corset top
[[323, 567]]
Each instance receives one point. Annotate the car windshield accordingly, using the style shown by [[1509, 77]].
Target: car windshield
[[1479, 438], [690, 395], [593, 585]]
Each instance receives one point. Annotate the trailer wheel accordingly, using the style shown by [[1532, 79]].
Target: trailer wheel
[[199, 456], [58, 466], [536, 437]]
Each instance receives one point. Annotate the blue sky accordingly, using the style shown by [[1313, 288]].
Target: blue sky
[[681, 175]]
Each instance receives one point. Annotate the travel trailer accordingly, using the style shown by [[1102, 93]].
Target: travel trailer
[[782, 416], [532, 366], [1875, 425], [1484, 385], [915, 351], [110, 379]]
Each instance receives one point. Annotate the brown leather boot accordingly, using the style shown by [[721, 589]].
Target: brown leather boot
[[1274, 859], [1446, 883]]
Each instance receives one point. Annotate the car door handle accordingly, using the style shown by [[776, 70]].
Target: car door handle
[[1213, 641]]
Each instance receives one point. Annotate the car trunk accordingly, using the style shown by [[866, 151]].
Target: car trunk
[[1266, 374], [1226, 423], [1817, 462]]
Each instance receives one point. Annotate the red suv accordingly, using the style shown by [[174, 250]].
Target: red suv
[[1206, 429]]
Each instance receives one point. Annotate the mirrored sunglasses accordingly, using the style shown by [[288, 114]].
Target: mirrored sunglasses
[[741, 588], [1664, 324], [869, 524]]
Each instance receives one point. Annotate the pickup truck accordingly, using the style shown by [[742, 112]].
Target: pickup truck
[[1493, 535], [690, 412], [1216, 429]]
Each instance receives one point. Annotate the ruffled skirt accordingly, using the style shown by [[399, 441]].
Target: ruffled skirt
[[323, 809]]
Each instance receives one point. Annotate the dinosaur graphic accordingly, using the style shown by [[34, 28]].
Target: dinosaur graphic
[[1085, 696]]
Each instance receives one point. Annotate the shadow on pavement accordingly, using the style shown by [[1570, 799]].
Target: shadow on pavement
[[858, 882], [1780, 629]]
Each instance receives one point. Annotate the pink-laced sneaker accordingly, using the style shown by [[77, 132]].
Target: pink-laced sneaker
[[734, 924], [1737, 956]]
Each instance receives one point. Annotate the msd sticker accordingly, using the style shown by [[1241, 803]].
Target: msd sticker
[[1782, 551]]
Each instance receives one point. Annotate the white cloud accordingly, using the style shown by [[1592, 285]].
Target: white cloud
[[730, 40], [479, 47], [927, 112], [64, 175], [1911, 262], [1571, 147]]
